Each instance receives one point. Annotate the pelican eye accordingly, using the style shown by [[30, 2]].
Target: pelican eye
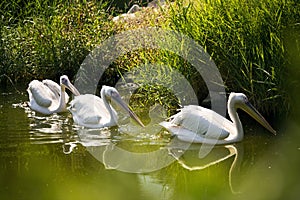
[[113, 94], [64, 80]]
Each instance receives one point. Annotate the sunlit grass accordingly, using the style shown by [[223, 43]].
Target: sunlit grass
[[49, 39], [246, 39]]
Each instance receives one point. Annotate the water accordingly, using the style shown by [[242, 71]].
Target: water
[[51, 158]]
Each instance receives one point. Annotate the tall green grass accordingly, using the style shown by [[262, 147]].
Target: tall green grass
[[47, 39], [246, 39]]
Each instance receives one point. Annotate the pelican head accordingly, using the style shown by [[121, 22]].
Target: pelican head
[[64, 80], [113, 94], [240, 100]]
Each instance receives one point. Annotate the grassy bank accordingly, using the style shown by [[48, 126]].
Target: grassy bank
[[48, 39], [246, 39]]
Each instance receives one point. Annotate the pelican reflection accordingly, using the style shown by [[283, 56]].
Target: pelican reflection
[[217, 155]]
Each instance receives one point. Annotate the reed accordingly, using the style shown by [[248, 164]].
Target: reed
[[45, 39], [245, 38]]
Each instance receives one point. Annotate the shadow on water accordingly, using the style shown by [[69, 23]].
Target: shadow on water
[[48, 157]]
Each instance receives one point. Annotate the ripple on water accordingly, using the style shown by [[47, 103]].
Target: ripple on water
[[60, 129]]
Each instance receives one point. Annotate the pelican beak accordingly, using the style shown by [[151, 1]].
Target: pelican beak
[[117, 98], [249, 108], [72, 88]]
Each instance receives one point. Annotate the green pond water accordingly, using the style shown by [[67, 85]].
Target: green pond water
[[48, 157]]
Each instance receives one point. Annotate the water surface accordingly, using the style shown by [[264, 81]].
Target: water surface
[[48, 157]]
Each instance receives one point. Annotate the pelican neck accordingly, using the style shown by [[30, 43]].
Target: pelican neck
[[107, 105], [62, 99], [238, 134]]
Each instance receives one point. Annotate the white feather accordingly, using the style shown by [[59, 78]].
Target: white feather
[[197, 119], [89, 111], [45, 97], [200, 125], [55, 88]]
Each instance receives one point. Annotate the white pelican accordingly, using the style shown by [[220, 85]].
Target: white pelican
[[48, 97], [200, 125], [91, 111]]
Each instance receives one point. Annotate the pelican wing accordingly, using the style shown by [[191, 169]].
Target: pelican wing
[[202, 121], [55, 88], [40, 93], [190, 118], [88, 109]]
